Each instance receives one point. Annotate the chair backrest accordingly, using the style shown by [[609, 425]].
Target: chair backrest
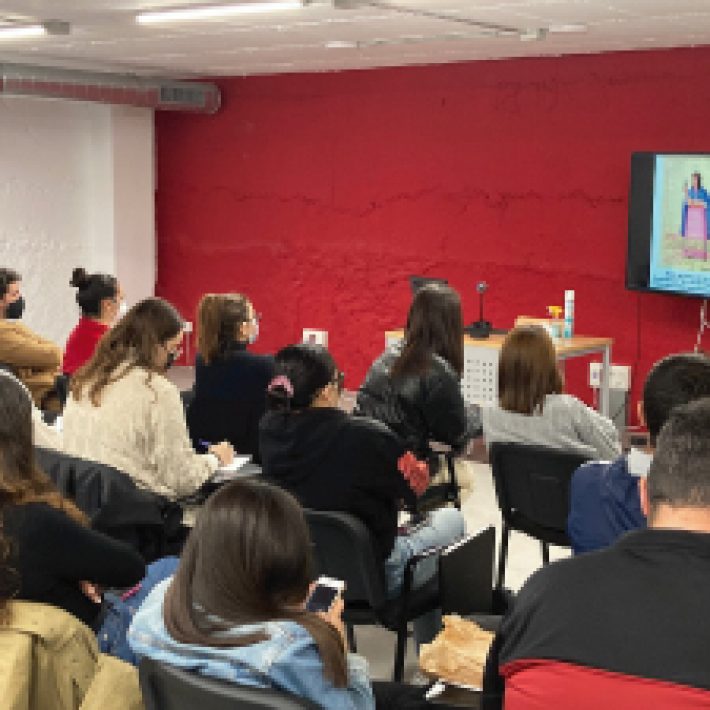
[[344, 549], [8, 368], [61, 388], [168, 688], [534, 482]]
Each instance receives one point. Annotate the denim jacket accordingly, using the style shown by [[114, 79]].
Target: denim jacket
[[288, 660]]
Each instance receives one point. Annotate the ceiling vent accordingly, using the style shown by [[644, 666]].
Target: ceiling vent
[[126, 89]]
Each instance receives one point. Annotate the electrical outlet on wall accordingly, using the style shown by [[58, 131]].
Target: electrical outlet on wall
[[315, 337], [619, 379], [187, 326]]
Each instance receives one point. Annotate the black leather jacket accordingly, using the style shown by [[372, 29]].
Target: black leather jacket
[[419, 408]]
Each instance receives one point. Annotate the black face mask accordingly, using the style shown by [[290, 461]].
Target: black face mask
[[15, 310], [170, 359]]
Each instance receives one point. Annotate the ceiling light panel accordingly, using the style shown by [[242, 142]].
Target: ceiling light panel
[[216, 12]]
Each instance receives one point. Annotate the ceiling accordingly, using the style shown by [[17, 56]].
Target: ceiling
[[105, 36]]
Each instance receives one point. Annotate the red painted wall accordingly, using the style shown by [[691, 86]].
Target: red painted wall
[[317, 195]]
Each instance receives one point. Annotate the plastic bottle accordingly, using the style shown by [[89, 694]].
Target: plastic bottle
[[555, 313], [569, 314]]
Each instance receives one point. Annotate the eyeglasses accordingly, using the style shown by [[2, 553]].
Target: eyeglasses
[[339, 380]]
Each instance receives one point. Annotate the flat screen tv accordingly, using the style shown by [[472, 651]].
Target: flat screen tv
[[669, 224]]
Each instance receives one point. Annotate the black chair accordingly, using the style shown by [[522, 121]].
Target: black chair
[[166, 687], [187, 397], [532, 486], [114, 504], [344, 549], [61, 388]]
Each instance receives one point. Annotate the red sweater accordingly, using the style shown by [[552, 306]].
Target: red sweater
[[81, 343]]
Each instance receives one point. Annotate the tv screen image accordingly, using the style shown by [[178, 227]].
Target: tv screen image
[[669, 223]]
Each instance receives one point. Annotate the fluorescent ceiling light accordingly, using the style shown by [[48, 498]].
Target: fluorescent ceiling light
[[568, 28], [214, 12], [22, 32]]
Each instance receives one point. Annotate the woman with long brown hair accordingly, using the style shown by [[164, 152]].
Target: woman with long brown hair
[[237, 610], [48, 553], [414, 386], [532, 407], [125, 413], [230, 381]]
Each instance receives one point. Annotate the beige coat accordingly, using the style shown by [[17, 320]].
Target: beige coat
[[35, 360], [49, 660], [139, 427]]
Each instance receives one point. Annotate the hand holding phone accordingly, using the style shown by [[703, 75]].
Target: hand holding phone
[[326, 600], [324, 594]]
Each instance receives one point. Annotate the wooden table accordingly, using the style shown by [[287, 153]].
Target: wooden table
[[480, 378]]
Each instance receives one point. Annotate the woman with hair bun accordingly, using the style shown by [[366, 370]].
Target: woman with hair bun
[[101, 302], [331, 460]]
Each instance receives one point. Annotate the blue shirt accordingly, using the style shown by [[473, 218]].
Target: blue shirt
[[288, 660], [604, 504]]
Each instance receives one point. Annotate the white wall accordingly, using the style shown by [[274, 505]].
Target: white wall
[[76, 189]]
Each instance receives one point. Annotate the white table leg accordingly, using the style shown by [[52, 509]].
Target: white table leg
[[606, 379]]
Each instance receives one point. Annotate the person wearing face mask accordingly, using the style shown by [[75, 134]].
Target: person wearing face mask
[[101, 302], [124, 412], [230, 382], [35, 361], [331, 460]]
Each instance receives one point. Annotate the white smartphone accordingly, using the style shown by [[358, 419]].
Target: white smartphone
[[326, 591]]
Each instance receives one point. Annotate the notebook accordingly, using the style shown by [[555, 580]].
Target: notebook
[[466, 574], [227, 473]]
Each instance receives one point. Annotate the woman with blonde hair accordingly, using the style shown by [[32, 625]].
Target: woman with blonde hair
[[230, 382], [124, 412], [532, 407]]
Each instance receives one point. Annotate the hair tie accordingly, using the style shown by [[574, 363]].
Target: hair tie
[[281, 381]]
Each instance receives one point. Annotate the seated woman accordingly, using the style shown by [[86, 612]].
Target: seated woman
[[532, 408], [414, 386], [332, 461], [124, 412], [48, 552], [101, 302], [238, 611], [230, 382]]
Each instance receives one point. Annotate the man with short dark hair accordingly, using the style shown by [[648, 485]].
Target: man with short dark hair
[[33, 359], [625, 627], [604, 496]]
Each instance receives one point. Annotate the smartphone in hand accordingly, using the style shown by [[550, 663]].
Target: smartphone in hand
[[326, 591]]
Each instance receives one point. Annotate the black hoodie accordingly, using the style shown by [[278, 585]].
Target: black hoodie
[[330, 460]]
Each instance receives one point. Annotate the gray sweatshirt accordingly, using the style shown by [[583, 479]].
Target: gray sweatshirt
[[564, 423]]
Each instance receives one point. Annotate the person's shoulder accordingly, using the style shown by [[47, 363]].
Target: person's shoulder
[[36, 516], [592, 471], [367, 426], [562, 400], [441, 368], [558, 580], [14, 326], [262, 362]]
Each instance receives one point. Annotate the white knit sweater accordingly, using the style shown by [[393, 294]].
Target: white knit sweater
[[139, 427]]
